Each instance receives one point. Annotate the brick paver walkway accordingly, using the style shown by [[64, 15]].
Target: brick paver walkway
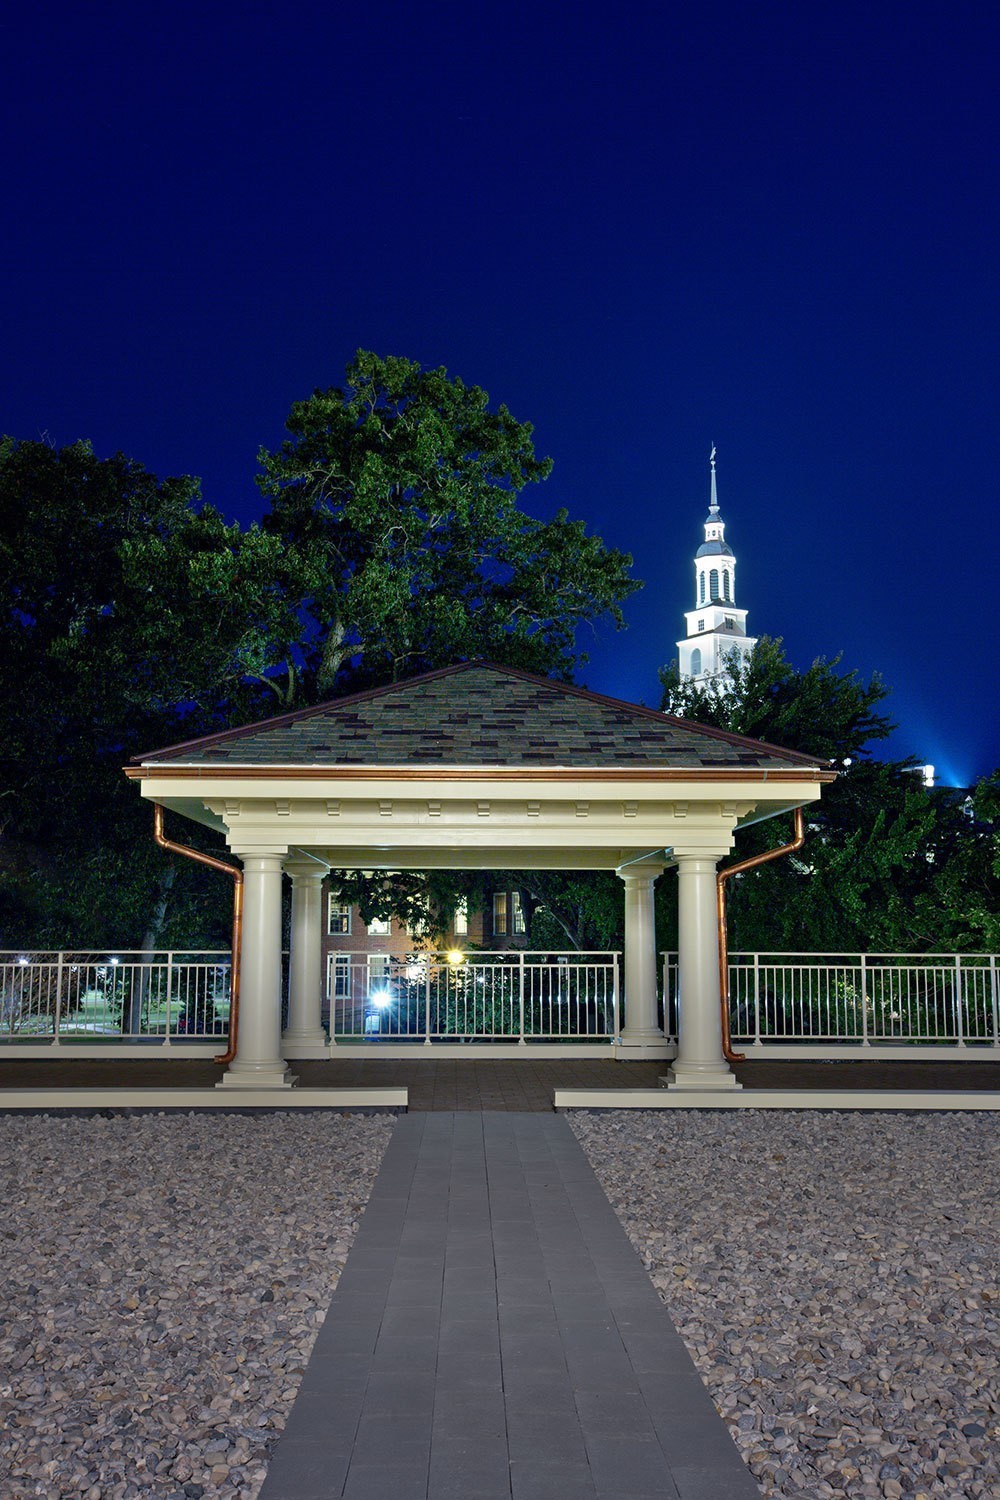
[[495, 1337]]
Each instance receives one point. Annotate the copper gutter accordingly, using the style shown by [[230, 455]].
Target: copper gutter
[[720, 894], [237, 874]]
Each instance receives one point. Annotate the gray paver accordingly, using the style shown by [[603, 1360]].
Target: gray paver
[[495, 1337]]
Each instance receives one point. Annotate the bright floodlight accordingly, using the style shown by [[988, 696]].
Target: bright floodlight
[[928, 775], [381, 998], [22, 960], [455, 957]]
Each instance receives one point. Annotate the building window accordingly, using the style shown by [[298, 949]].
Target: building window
[[725, 583], [729, 623], [378, 971], [701, 588], [701, 624], [516, 914], [380, 927], [713, 584], [499, 913], [338, 976], [461, 927], [696, 663], [338, 918]]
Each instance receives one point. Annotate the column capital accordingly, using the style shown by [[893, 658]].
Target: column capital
[[710, 851], [645, 869], [247, 852], [301, 868]]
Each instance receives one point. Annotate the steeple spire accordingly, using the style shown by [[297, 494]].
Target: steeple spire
[[716, 626]]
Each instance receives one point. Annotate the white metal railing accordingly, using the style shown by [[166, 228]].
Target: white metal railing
[[60, 997], [509, 996], [861, 999]]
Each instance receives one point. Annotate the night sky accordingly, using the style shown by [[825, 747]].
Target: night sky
[[646, 228]]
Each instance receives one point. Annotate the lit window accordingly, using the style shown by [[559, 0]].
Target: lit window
[[380, 927], [461, 927], [696, 663], [378, 969], [499, 913], [339, 918], [516, 914], [338, 975], [713, 584]]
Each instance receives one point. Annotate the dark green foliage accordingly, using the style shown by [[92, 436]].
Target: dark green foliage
[[133, 616], [888, 865], [401, 489]]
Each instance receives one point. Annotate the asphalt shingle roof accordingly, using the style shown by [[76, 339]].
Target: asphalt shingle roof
[[478, 714]]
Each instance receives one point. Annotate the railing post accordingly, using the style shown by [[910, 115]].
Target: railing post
[[170, 986], [58, 1006], [427, 1000], [615, 970], [757, 1040], [864, 1002], [520, 999], [959, 1018]]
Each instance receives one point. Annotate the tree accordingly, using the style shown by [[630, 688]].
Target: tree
[[401, 489], [398, 493], [135, 616], [819, 712], [888, 865], [115, 636]]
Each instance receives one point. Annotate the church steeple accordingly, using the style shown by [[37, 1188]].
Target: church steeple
[[716, 629]]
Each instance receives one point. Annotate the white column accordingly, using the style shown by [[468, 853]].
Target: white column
[[699, 1063], [304, 1035], [259, 1063], [642, 1035]]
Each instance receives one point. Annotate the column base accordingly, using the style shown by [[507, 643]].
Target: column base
[[682, 1075], [305, 1043], [269, 1076], [642, 1046]]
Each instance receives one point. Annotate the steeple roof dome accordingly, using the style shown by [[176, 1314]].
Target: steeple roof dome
[[717, 548]]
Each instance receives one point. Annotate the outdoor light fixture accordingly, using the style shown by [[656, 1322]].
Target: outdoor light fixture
[[928, 774], [381, 998], [455, 957], [22, 960]]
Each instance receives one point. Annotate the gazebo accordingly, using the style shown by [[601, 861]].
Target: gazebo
[[478, 767]]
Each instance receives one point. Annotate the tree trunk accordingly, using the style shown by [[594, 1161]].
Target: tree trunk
[[139, 990]]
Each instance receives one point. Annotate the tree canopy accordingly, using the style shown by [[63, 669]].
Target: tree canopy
[[401, 490], [889, 864], [134, 615]]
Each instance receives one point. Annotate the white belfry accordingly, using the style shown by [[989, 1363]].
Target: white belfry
[[716, 629]]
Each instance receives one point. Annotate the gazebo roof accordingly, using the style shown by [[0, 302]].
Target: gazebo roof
[[480, 715]]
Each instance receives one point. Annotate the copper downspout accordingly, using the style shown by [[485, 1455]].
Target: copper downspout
[[237, 874], [720, 893]]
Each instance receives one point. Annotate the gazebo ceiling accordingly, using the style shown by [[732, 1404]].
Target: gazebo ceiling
[[473, 765]]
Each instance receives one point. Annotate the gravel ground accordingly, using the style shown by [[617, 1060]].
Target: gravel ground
[[835, 1279], [162, 1280]]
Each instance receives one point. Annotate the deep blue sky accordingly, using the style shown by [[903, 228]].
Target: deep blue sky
[[645, 228]]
